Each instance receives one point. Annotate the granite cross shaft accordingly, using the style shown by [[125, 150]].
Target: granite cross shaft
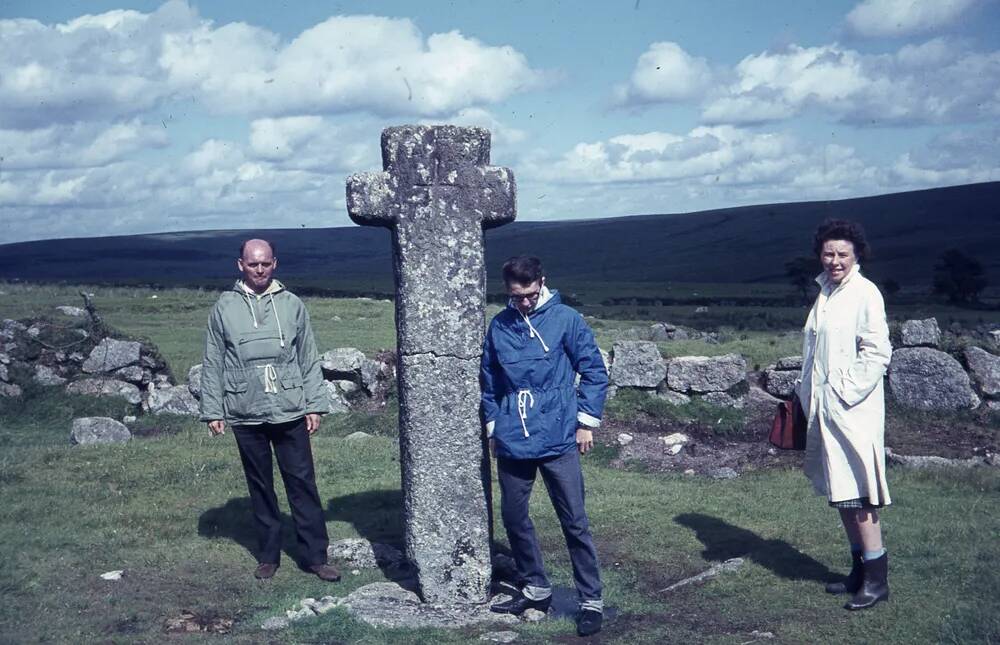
[[436, 194]]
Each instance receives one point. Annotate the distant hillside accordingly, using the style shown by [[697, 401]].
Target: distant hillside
[[908, 231]]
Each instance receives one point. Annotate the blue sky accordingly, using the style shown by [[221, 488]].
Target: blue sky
[[137, 117]]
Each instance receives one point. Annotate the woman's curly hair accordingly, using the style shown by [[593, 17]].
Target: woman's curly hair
[[841, 229]]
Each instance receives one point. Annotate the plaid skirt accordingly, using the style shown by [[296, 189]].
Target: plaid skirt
[[859, 502]]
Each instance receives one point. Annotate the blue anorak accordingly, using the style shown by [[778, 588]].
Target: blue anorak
[[531, 406]]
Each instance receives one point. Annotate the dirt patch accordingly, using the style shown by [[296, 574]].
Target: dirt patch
[[709, 451]]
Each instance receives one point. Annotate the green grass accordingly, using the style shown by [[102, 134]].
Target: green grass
[[171, 510]]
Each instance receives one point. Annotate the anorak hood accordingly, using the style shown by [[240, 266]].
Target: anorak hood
[[546, 299], [248, 294]]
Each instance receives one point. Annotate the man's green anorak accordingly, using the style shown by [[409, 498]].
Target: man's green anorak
[[260, 363]]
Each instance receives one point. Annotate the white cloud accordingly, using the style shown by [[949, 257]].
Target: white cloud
[[122, 63], [933, 82], [346, 63], [875, 18], [665, 73], [958, 157], [77, 145]]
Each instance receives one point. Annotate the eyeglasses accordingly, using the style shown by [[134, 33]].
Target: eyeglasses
[[525, 296]]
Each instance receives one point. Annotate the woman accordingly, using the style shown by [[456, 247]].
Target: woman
[[845, 354]]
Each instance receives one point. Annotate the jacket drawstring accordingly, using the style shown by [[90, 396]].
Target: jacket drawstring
[[277, 318], [534, 332], [270, 379], [523, 397], [253, 314]]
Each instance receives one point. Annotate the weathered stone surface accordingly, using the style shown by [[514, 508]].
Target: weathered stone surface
[[99, 386], [112, 354], [780, 383], [933, 461], [45, 375], [98, 430], [759, 408], [723, 400], [76, 312], [437, 194], [917, 333], [637, 363], [358, 552], [194, 381], [499, 637], [338, 404], [176, 399], [10, 390], [675, 438], [350, 364], [443, 464], [386, 604], [789, 363], [624, 439], [131, 374], [346, 387], [4, 373], [928, 379], [985, 370], [701, 374]]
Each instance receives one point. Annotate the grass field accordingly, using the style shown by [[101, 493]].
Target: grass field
[[170, 508]]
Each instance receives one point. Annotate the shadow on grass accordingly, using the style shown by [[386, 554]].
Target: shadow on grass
[[724, 541], [234, 521]]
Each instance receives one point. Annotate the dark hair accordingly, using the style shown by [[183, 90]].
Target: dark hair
[[522, 270], [274, 249], [841, 229]]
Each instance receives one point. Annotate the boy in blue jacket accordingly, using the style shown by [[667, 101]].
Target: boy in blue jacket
[[537, 419]]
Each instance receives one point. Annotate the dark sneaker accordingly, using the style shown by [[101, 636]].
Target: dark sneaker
[[326, 572], [589, 622], [265, 570], [520, 604]]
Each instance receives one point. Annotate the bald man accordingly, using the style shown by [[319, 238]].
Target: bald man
[[261, 375]]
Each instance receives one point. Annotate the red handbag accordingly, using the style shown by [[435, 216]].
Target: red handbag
[[788, 430]]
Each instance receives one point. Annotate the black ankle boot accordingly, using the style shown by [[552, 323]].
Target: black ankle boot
[[875, 586], [852, 583]]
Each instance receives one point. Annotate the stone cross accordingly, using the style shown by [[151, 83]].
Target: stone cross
[[436, 194]]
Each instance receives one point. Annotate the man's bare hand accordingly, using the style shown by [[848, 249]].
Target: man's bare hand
[[217, 427], [312, 423], [584, 440]]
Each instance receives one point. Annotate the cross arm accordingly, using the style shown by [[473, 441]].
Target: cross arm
[[372, 199]]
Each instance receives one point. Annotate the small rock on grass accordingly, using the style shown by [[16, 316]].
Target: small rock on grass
[[499, 637], [113, 575], [624, 439], [532, 615], [274, 623], [723, 473]]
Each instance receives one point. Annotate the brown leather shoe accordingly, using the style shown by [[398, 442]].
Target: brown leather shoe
[[326, 572], [265, 570]]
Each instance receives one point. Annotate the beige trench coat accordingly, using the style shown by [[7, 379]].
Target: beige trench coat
[[845, 353]]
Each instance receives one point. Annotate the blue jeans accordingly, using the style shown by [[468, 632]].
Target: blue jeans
[[564, 482]]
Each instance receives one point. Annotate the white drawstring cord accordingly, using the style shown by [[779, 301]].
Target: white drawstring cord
[[270, 379], [534, 332], [523, 397], [252, 312]]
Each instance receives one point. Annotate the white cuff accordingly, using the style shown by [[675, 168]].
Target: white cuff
[[489, 429], [585, 419]]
